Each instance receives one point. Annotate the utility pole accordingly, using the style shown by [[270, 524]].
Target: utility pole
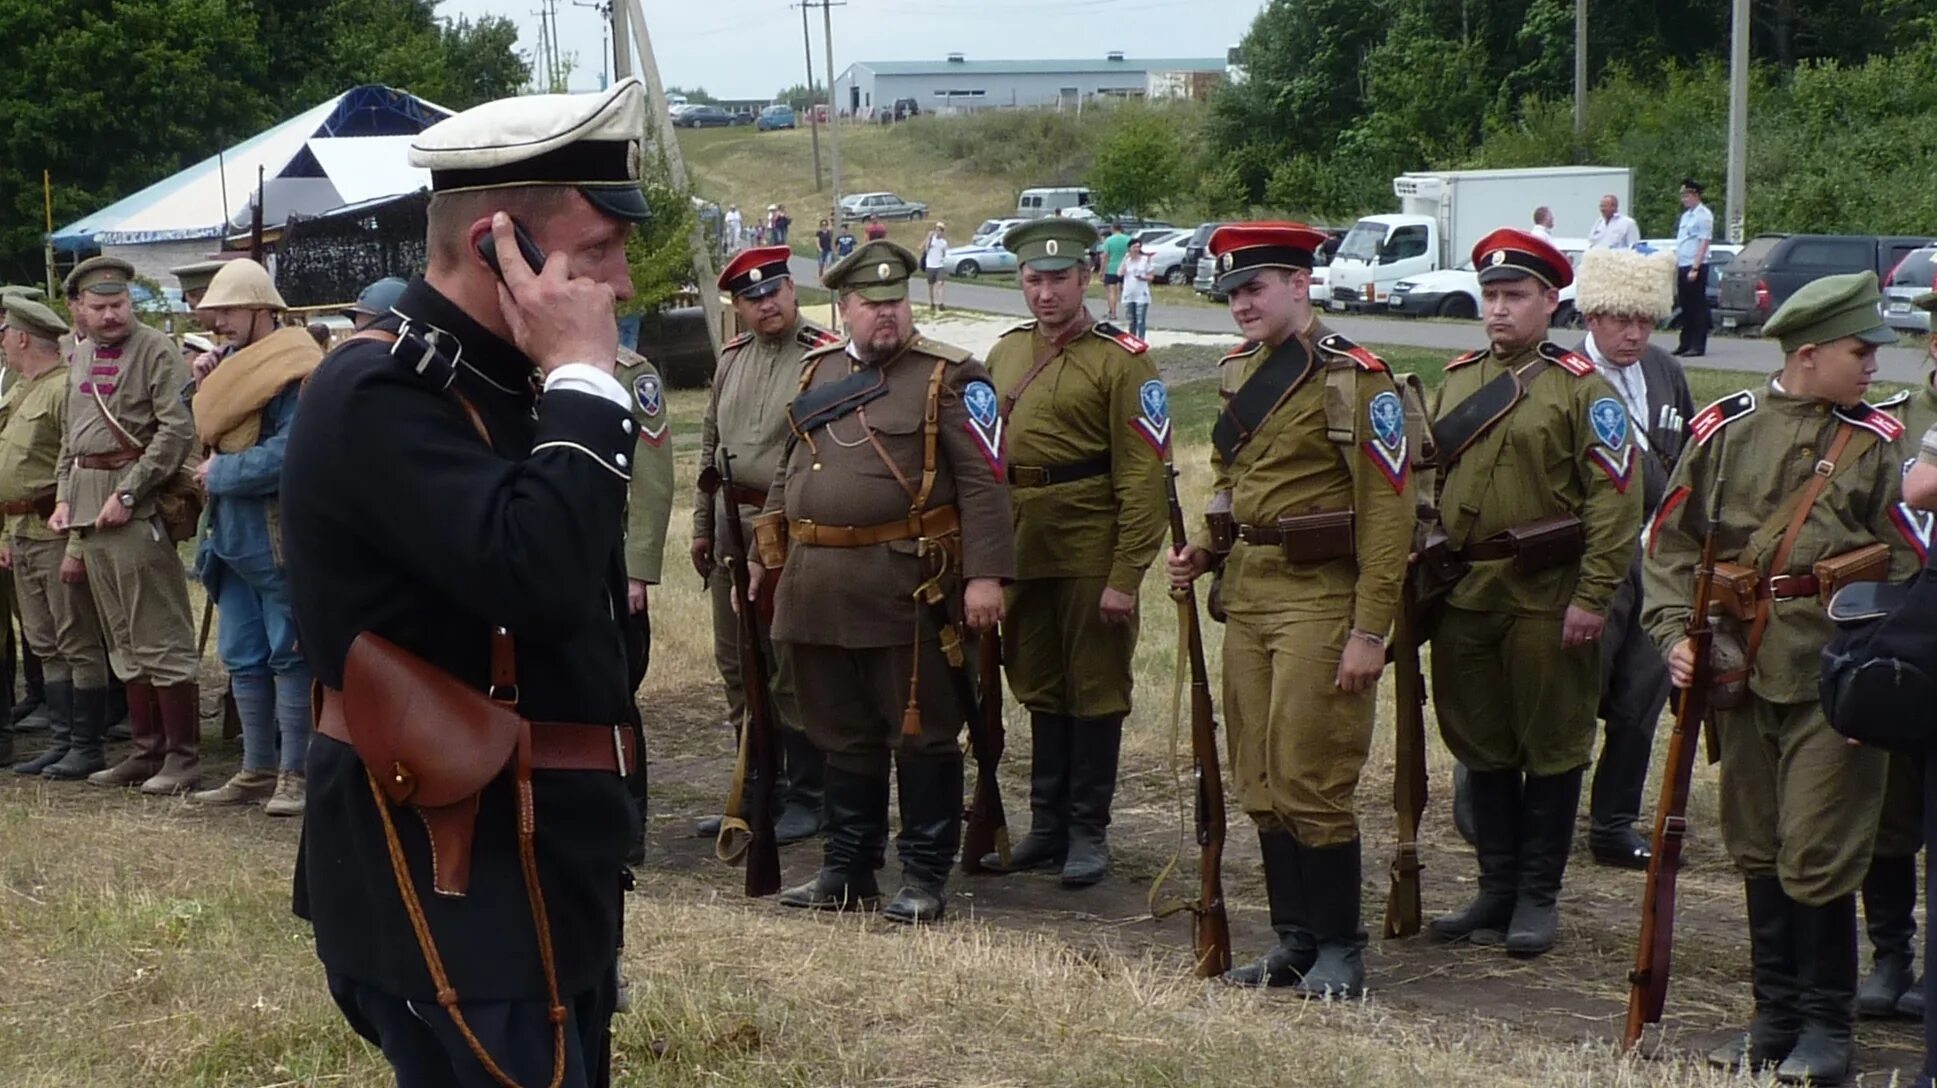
[[621, 41], [606, 45], [1737, 192], [704, 275], [833, 124], [813, 125], [1580, 70]]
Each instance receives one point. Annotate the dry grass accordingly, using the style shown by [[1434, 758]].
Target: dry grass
[[144, 943]]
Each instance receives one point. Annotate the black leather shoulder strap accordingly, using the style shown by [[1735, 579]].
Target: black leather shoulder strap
[[823, 404], [1268, 387], [1455, 431]]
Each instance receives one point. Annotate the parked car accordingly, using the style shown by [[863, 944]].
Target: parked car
[[1455, 292], [703, 117], [1167, 259], [1194, 249], [1206, 282], [1036, 203], [1772, 266], [1916, 274], [905, 108], [982, 255], [774, 117], [881, 206], [992, 228]]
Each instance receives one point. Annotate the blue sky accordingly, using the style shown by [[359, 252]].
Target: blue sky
[[752, 48]]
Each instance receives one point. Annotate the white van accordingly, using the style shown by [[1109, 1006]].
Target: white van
[[1037, 203]]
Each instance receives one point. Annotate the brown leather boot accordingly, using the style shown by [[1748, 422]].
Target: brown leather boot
[[144, 724], [181, 723]]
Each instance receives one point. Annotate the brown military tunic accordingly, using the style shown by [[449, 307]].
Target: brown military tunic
[[1298, 743], [58, 620], [850, 613]]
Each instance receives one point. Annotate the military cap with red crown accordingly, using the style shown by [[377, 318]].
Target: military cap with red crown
[[1509, 254], [1242, 250], [756, 273]]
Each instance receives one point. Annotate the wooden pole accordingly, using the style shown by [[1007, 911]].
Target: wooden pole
[[704, 275]]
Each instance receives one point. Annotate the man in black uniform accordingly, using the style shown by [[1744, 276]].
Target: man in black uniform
[[402, 520]]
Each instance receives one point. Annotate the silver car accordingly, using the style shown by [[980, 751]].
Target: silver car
[[880, 206], [1915, 275]]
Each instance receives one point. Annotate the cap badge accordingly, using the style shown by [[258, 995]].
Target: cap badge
[[632, 159], [753, 275], [1227, 261], [1050, 247], [1499, 257], [882, 271]]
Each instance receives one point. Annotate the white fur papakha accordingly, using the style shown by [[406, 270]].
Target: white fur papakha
[[1621, 281]]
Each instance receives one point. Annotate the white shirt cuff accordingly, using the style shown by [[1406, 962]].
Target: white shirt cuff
[[586, 378]]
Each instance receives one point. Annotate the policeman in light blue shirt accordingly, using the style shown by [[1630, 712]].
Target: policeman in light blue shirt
[[1692, 236]]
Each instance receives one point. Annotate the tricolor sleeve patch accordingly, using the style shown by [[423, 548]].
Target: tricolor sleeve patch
[[1153, 426], [985, 423], [1916, 527], [1386, 445]]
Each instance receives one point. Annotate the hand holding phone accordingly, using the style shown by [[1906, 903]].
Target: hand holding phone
[[553, 317]]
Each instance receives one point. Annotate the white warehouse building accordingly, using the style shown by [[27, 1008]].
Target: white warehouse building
[[957, 83]]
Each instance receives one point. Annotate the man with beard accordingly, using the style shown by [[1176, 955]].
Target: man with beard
[[897, 535], [128, 432]]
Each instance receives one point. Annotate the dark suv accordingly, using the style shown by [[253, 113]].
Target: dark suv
[[1772, 266], [1194, 249]]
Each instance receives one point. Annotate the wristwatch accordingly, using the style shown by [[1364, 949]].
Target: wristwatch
[[127, 499]]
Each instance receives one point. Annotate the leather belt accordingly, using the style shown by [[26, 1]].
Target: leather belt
[[555, 746], [41, 503], [1788, 587], [1261, 534], [1481, 551], [1046, 475], [940, 521], [110, 461], [746, 496]]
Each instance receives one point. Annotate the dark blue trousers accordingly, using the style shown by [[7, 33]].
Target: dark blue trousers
[[422, 1043]]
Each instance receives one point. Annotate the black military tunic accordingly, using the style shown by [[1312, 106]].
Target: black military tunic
[[397, 519]]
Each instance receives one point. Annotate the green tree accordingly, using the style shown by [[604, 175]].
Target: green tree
[[798, 97], [1141, 164]]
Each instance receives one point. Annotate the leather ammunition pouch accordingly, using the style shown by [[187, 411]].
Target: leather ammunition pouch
[[1307, 538], [770, 539], [1221, 523], [1734, 589], [1548, 543], [1870, 563]]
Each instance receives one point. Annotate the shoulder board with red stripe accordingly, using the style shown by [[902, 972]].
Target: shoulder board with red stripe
[[825, 349], [813, 336], [1025, 326], [1469, 357], [1334, 344], [1898, 400], [1243, 350], [1720, 414], [1871, 418], [739, 341], [1573, 362], [1122, 339]]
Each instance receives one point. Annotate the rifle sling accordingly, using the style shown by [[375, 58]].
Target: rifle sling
[[1457, 430], [1268, 387]]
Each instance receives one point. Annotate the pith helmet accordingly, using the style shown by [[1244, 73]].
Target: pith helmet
[[245, 285]]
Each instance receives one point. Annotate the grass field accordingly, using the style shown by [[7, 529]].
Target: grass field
[[146, 943]]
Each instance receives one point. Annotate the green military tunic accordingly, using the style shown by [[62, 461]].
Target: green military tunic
[[58, 620], [747, 417], [134, 574], [651, 503], [848, 614], [1298, 743], [1508, 695], [1096, 401], [1798, 802]]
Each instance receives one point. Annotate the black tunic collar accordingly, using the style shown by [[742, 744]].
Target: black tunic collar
[[484, 354]]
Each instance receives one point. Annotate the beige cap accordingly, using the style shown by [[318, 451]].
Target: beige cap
[[244, 285]]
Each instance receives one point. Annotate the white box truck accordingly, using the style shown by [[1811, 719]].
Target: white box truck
[[1443, 213]]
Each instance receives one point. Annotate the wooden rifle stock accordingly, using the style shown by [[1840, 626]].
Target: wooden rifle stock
[[1211, 927], [1654, 952], [1404, 914], [760, 767], [985, 827]]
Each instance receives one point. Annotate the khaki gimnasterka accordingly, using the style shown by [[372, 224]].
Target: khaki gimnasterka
[[1508, 695], [1097, 403], [1797, 802], [651, 503]]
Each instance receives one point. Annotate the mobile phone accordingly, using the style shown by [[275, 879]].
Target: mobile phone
[[488, 250]]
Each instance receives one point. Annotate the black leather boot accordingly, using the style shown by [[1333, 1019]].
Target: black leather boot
[[1548, 804], [857, 812], [36, 687], [1096, 744], [1463, 806], [802, 814], [58, 698], [1614, 804], [86, 741], [1285, 886], [1047, 842], [1911, 1004], [1826, 954], [1496, 820], [1889, 897], [1772, 960], [1332, 876], [931, 834]]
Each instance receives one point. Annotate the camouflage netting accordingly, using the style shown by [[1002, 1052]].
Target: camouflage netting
[[328, 259]]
